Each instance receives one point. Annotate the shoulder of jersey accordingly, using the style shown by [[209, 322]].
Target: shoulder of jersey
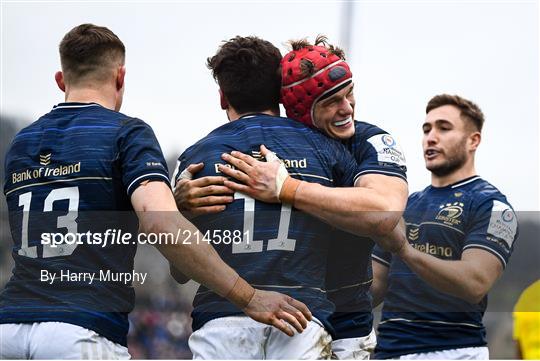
[[367, 130], [483, 190], [266, 121], [418, 194]]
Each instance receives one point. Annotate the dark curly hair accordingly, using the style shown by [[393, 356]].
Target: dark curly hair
[[306, 66], [248, 73]]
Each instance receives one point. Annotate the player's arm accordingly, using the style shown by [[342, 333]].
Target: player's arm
[[380, 282], [177, 275], [469, 278], [204, 195], [372, 208], [489, 235], [380, 264], [198, 260]]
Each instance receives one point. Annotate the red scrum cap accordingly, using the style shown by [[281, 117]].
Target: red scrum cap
[[310, 74]]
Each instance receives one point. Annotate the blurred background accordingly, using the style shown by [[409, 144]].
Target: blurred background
[[401, 54]]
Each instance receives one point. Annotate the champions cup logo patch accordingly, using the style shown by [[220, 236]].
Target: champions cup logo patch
[[502, 224], [388, 140], [449, 213], [508, 215], [45, 159], [388, 150]]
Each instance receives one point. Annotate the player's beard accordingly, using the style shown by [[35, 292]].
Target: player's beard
[[455, 158]]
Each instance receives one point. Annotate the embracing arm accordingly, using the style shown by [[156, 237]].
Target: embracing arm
[[205, 195], [372, 208], [157, 212]]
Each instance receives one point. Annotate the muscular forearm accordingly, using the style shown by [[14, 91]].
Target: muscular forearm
[[358, 210], [177, 275], [458, 278], [194, 258], [380, 283]]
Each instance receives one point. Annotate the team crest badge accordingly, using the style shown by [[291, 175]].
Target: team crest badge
[[450, 213]]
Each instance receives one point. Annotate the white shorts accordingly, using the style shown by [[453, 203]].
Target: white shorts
[[466, 353], [56, 340], [240, 337], [359, 348]]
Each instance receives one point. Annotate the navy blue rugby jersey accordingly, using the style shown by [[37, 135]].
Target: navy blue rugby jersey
[[443, 222], [72, 171], [276, 248], [349, 273]]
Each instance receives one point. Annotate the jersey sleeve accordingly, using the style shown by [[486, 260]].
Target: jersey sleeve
[[493, 227], [140, 155], [345, 167], [381, 256], [381, 154]]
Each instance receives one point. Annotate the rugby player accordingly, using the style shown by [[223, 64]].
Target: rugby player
[[285, 249], [461, 232], [85, 167], [311, 95]]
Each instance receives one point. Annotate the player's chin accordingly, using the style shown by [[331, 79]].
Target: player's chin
[[343, 132], [434, 165]]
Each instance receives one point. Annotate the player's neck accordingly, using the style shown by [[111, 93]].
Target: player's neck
[[466, 171], [103, 96], [234, 115]]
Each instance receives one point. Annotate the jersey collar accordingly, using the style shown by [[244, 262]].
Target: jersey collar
[[459, 183], [251, 115], [465, 181], [72, 105]]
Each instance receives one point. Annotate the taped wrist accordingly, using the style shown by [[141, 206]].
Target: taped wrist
[[282, 174], [241, 293], [281, 177], [288, 190]]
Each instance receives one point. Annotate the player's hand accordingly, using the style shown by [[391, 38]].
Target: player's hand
[[203, 195], [261, 180], [278, 310], [396, 241]]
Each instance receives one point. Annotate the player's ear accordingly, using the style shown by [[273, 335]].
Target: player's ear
[[475, 139], [120, 75], [223, 101], [59, 77]]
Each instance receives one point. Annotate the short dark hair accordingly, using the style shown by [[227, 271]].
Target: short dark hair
[[469, 110], [90, 52], [248, 73]]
